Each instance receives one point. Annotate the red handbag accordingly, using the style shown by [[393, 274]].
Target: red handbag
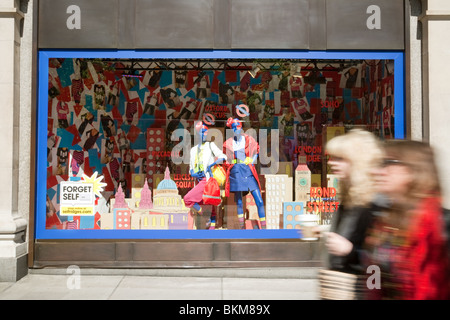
[[211, 194]]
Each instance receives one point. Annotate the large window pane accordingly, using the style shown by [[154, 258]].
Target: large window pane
[[115, 124]]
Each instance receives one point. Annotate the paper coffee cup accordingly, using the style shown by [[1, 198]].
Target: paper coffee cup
[[308, 224]]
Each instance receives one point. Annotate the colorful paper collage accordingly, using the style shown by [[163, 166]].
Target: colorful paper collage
[[100, 114]]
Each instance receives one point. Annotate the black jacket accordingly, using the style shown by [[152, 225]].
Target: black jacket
[[352, 224]]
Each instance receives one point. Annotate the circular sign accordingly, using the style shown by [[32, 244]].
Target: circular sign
[[303, 182], [242, 110], [208, 119]]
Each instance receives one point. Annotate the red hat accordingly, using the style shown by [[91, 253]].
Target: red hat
[[230, 122]]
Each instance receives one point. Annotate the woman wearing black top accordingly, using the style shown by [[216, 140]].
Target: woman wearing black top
[[353, 157]]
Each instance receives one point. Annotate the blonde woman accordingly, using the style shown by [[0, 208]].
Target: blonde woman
[[353, 158]]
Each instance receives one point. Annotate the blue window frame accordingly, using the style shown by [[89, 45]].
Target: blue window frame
[[42, 118]]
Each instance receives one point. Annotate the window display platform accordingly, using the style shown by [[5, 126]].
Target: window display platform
[[176, 254]]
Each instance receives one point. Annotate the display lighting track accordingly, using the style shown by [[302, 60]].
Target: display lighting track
[[230, 64]]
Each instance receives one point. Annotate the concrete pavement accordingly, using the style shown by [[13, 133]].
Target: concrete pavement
[[164, 284]]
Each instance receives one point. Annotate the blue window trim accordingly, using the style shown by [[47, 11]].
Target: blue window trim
[[41, 137]]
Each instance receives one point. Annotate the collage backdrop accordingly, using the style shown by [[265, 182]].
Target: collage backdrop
[[100, 116]]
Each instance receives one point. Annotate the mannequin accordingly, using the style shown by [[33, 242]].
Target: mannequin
[[202, 159], [242, 151]]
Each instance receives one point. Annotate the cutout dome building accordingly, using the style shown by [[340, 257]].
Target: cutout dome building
[[167, 200]]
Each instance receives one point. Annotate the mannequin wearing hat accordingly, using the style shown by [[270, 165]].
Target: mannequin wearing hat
[[202, 159], [242, 151]]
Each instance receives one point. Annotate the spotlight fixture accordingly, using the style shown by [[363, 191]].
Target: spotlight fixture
[[297, 73], [254, 71]]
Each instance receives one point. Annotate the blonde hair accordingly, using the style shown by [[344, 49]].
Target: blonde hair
[[364, 153]]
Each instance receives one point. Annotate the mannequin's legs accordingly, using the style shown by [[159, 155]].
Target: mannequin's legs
[[240, 209], [260, 205], [213, 218]]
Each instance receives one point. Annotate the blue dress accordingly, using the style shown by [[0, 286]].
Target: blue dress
[[241, 177]]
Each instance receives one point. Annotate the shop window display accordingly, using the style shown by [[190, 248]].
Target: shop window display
[[124, 128]]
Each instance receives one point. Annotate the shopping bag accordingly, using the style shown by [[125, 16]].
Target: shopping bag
[[219, 174], [336, 285], [211, 194]]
